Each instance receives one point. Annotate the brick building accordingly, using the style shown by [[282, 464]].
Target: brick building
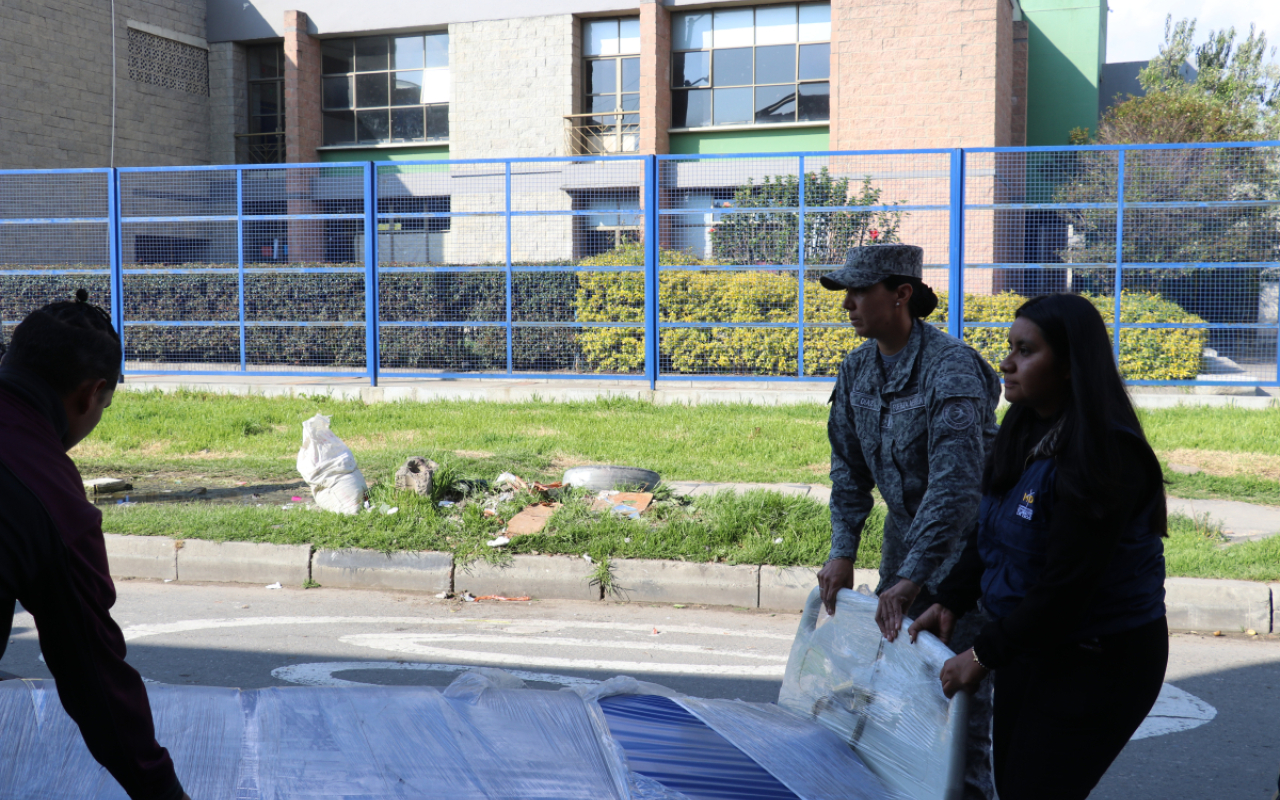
[[170, 82]]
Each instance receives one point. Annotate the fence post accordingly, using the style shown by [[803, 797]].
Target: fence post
[[955, 284], [114, 259], [800, 276], [371, 272], [240, 261], [1115, 330], [507, 195], [651, 254]]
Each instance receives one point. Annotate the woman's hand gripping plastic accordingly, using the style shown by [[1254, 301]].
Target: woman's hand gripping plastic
[[938, 620]]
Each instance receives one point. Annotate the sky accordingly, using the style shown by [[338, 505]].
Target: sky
[[1135, 28]]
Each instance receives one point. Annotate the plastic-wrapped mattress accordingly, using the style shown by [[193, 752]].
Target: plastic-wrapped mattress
[[486, 737]]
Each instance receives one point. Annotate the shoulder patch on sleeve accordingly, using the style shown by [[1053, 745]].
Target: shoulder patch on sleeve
[[958, 413]]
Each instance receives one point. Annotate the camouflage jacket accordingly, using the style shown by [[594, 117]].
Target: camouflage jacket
[[919, 434]]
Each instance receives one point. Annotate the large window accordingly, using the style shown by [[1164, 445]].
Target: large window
[[265, 140], [380, 89], [611, 61], [751, 66]]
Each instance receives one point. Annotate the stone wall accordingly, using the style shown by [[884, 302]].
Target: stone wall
[[56, 81], [514, 80]]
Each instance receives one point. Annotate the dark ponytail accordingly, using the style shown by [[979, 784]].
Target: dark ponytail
[[923, 301], [67, 343]]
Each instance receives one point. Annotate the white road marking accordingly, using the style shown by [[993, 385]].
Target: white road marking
[[400, 643], [322, 674], [133, 632], [1174, 711], [392, 641]]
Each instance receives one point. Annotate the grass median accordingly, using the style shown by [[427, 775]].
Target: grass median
[[218, 440]]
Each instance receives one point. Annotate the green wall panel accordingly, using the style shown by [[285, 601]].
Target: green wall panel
[[387, 154], [761, 141], [1067, 46]]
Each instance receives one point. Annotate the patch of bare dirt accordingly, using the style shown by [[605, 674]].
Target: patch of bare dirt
[[566, 462], [94, 450], [1224, 464], [473, 453], [381, 440]]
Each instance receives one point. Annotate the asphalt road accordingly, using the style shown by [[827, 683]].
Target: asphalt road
[[1220, 740]]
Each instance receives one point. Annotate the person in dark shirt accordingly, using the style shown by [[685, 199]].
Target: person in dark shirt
[[57, 377], [1067, 559]]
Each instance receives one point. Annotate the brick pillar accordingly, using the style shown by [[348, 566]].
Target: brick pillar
[[655, 77], [917, 73], [1018, 133], [301, 90], [302, 135]]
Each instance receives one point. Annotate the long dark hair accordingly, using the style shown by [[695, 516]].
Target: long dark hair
[[1088, 445], [923, 301]]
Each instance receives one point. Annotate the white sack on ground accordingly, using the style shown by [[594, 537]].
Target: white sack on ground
[[329, 468]]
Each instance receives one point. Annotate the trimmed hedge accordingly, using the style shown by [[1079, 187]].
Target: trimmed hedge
[[765, 297], [693, 295]]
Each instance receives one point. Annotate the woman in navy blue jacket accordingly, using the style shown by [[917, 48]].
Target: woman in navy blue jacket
[[1067, 560]]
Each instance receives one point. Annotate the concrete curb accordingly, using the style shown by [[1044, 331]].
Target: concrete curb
[[551, 577], [422, 571], [1194, 604], [685, 582], [152, 557], [244, 562]]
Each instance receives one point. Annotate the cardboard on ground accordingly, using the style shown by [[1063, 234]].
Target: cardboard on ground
[[638, 500], [531, 520]]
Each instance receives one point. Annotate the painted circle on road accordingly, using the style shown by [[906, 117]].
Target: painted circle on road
[[322, 674]]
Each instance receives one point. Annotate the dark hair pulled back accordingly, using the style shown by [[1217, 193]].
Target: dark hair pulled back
[[67, 343], [923, 300], [1097, 405]]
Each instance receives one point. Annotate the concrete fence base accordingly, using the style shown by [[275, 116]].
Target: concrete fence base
[[1194, 604]]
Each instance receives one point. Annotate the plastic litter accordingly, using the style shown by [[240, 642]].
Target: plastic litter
[[275, 585], [329, 468], [498, 541], [511, 481], [445, 504]]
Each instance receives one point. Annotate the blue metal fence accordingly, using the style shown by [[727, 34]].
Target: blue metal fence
[[700, 267]]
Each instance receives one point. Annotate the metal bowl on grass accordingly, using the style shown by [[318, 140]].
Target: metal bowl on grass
[[606, 479]]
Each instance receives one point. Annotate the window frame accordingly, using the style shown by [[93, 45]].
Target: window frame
[[433, 115], [711, 87], [617, 121]]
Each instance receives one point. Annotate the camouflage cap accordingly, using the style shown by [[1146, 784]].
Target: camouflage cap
[[867, 266]]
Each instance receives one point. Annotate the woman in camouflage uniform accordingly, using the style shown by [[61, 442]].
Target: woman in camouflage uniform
[[912, 414]]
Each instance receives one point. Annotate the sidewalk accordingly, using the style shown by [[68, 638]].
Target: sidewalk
[[668, 391]]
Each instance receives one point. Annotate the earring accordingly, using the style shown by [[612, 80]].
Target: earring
[[897, 304]]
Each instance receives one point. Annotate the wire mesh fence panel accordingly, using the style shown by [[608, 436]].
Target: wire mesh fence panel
[[54, 239], [442, 280], [464, 348], [561, 267]]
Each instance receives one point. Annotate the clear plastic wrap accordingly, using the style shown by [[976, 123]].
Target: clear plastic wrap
[[488, 737], [884, 699], [480, 742]]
